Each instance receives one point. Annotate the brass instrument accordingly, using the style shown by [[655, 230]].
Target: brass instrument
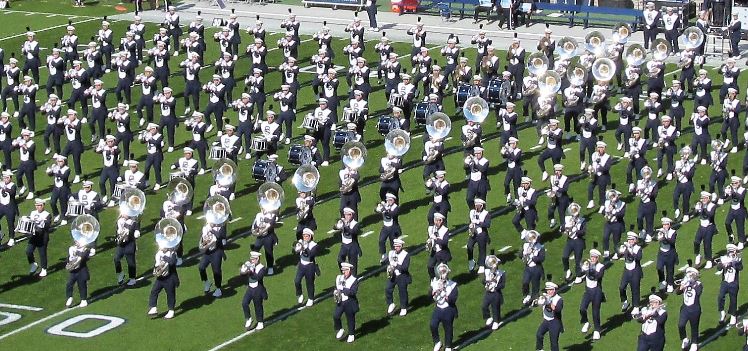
[[300, 245], [347, 183], [692, 37], [132, 202], [306, 178], [270, 196], [438, 125], [475, 109], [646, 312], [567, 48], [217, 209], [261, 228], [208, 240], [354, 154], [337, 294], [397, 142], [576, 74], [541, 301], [621, 33], [603, 69], [635, 55], [393, 260], [549, 83], [84, 230], [660, 49], [537, 63], [595, 43]]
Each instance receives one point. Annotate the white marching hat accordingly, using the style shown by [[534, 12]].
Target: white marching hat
[[254, 254], [632, 235], [705, 194], [348, 210], [595, 252], [390, 196], [550, 285], [656, 298], [666, 220], [479, 201], [558, 167], [307, 231], [398, 241], [38, 201], [601, 144], [345, 266], [526, 180], [440, 173], [7, 173], [438, 215]]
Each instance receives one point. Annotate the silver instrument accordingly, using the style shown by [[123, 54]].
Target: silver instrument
[[180, 191], [475, 109], [438, 125], [217, 209], [354, 154], [306, 178], [225, 172], [270, 196], [132, 202], [84, 229]]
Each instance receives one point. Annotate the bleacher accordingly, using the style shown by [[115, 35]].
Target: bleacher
[[357, 5]]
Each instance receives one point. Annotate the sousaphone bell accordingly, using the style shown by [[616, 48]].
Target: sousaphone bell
[[621, 33], [603, 69], [180, 191], [85, 229], [354, 154], [635, 55], [567, 48], [438, 125], [692, 37], [475, 109], [595, 43], [576, 74], [132, 202], [537, 63], [225, 172], [217, 209], [168, 233], [549, 83], [660, 49], [306, 178], [397, 142], [270, 196]]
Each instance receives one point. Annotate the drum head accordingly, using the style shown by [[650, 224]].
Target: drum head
[[271, 172]]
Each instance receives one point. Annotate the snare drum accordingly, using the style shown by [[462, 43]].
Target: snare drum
[[396, 100], [299, 155], [463, 93], [217, 152], [25, 225], [264, 170], [75, 208], [119, 188], [421, 112], [259, 144], [386, 124], [310, 123], [176, 174], [493, 92], [342, 137], [349, 116]]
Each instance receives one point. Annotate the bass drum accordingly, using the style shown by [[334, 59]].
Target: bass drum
[[493, 92], [299, 155], [342, 137], [463, 93], [421, 112], [386, 124], [264, 170]]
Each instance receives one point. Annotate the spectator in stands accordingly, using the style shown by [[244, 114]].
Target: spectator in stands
[[483, 6], [371, 10]]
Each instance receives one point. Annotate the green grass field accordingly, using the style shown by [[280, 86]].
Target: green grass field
[[203, 322]]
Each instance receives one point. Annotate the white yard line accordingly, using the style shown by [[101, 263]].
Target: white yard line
[[536, 147], [21, 307], [645, 264], [403, 236], [235, 219], [331, 231], [46, 29], [367, 233], [503, 249]]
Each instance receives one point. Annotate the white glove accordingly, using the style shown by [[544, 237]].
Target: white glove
[[136, 234], [92, 253]]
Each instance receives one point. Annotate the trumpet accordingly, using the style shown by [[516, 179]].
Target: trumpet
[[541, 301], [248, 266], [339, 224], [300, 246], [646, 312]]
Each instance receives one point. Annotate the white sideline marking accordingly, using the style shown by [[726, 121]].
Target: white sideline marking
[[31, 14], [645, 264], [21, 307], [367, 234], [235, 219], [50, 16], [681, 269], [505, 248]]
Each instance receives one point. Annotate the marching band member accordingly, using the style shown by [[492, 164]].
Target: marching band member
[[56, 68], [170, 210], [224, 39], [132, 176], [471, 134], [489, 67], [198, 128], [646, 191], [666, 137], [311, 143], [169, 281], [574, 228], [125, 75], [718, 163], [225, 190], [730, 110], [90, 200], [444, 292], [69, 44], [690, 311], [667, 257], [322, 64], [677, 96], [172, 24], [600, 101], [100, 111], [128, 231], [236, 39], [525, 202], [106, 36], [614, 211], [494, 281], [216, 102], [508, 122], [28, 110], [588, 139], [481, 42], [558, 192], [60, 172], [599, 170], [477, 167], [327, 119], [513, 156], [154, 141], [9, 205], [258, 51], [256, 292], [30, 49], [27, 166], [653, 107], [391, 69], [138, 30], [307, 249], [225, 68], [168, 107], [349, 193], [360, 108], [735, 194], [451, 54], [421, 64], [735, 35], [187, 167], [305, 213], [52, 109], [192, 82], [553, 306], [548, 45], [390, 167], [263, 227], [688, 70], [632, 87], [398, 274], [729, 266], [651, 24], [291, 25], [439, 187], [287, 101], [516, 66], [437, 243], [74, 144], [533, 256], [554, 146], [230, 142], [462, 73], [593, 272], [704, 210], [409, 92], [290, 45], [684, 172], [435, 83], [245, 108], [653, 318], [163, 36], [480, 221], [346, 302], [672, 28], [573, 101], [12, 74], [701, 135], [212, 242], [730, 74], [6, 139], [110, 153], [418, 34], [79, 274], [324, 40], [703, 88], [39, 238], [94, 60], [160, 61], [632, 276], [350, 229], [356, 30], [124, 135], [389, 210], [432, 157]]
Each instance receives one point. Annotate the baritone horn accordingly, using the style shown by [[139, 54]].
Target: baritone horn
[[574, 209], [621, 33], [475, 109], [397, 142], [549, 83], [85, 229], [635, 55], [168, 233], [217, 209], [225, 172], [354, 154], [692, 37], [270, 196], [603, 69], [438, 125], [576, 74], [537, 63], [660, 49], [306, 178], [132, 202], [567, 48]]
